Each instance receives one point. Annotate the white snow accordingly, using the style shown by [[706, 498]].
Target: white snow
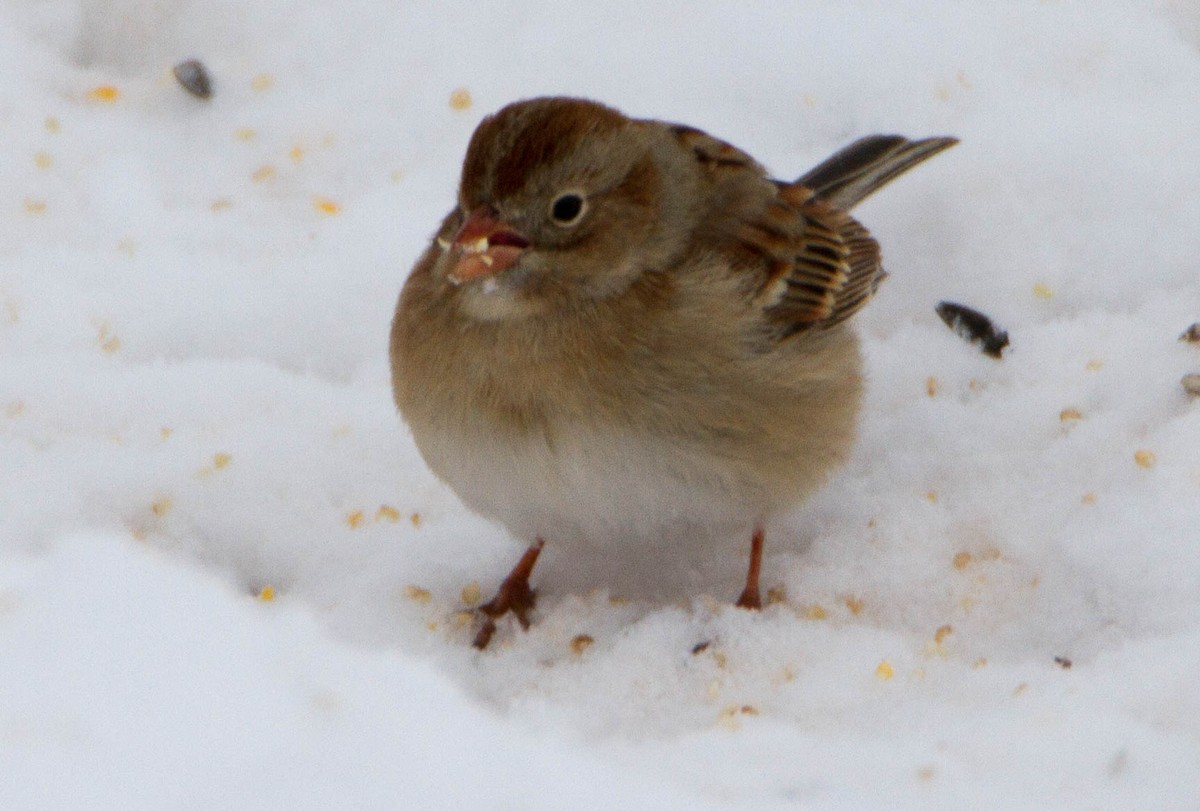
[[194, 406]]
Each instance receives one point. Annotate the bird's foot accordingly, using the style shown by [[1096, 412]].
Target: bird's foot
[[750, 598], [514, 595]]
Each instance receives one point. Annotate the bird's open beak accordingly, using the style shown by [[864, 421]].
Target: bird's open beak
[[484, 246]]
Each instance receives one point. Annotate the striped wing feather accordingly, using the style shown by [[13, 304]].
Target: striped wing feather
[[822, 269], [821, 265]]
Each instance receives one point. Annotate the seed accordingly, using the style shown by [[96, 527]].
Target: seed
[[974, 327], [194, 77]]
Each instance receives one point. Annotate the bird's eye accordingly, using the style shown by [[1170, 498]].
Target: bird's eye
[[567, 209]]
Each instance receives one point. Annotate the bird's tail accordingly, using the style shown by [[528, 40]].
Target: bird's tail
[[851, 174]]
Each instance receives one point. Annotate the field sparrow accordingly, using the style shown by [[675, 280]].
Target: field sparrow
[[627, 340]]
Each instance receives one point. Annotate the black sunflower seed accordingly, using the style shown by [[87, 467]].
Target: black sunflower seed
[[973, 326], [194, 77]]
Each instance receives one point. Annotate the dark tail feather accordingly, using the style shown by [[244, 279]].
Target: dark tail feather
[[851, 174]]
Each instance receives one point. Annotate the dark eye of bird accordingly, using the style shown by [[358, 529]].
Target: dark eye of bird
[[567, 209]]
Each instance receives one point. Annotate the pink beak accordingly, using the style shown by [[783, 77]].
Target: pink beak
[[484, 246]]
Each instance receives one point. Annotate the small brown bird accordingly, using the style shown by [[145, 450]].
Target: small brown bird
[[629, 341]]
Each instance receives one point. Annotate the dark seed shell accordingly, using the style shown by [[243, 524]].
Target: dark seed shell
[[973, 326], [194, 77]]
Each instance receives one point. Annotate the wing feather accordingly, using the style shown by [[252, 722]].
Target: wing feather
[[813, 264], [822, 265]]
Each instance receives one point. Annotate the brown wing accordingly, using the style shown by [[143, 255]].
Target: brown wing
[[836, 267], [822, 265], [712, 152]]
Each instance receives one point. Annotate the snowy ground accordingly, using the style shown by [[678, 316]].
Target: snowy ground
[[195, 417]]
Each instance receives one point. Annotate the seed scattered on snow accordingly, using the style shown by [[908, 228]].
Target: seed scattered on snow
[[962, 560], [108, 341], [326, 206], [581, 643], [417, 594], [194, 78], [386, 512], [266, 594], [105, 93], [161, 506], [1144, 458], [1063, 662], [1191, 384], [219, 461], [460, 99], [884, 671], [1070, 415], [262, 82], [939, 636], [471, 593], [1191, 334], [354, 519], [728, 716], [1043, 291], [973, 327]]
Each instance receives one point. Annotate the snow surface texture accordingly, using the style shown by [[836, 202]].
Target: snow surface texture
[[195, 414]]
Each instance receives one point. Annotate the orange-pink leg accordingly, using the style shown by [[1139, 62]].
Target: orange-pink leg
[[514, 595], [750, 598]]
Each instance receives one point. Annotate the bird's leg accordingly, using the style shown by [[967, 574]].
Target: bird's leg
[[750, 598], [514, 595]]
